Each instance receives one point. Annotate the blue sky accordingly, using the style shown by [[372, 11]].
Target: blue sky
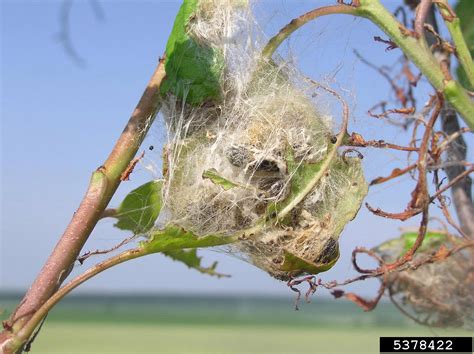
[[59, 121]]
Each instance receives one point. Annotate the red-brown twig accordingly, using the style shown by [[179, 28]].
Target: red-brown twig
[[310, 279], [451, 183], [390, 44], [420, 17], [385, 113], [125, 176], [359, 141], [88, 254], [397, 172], [404, 215], [412, 79], [366, 305], [399, 92]]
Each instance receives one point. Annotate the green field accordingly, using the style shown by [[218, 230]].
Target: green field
[[185, 324]]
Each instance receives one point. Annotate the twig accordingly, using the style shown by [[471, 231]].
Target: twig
[[109, 213], [408, 256], [358, 140], [391, 45], [451, 183], [421, 12], [420, 193], [296, 23], [385, 113], [368, 252], [33, 337], [461, 193], [310, 279], [25, 332], [395, 173], [64, 36], [452, 138], [462, 49], [125, 176], [88, 254], [444, 208], [366, 305], [399, 92]]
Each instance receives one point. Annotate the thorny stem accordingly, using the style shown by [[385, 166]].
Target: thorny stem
[[103, 185]]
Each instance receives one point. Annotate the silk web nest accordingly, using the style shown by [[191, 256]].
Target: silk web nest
[[437, 294], [245, 136]]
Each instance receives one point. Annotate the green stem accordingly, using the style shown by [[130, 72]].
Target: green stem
[[462, 50], [415, 48], [420, 54], [296, 23]]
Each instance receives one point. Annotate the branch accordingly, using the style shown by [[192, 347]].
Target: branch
[[452, 183], [454, 27], [420, 17], [103, 185], [298, 22], [455, 144], [24, 334], [461, 192], [409, 42], [420, 54]]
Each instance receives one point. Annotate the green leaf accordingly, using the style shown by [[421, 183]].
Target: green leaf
[[393, 249], [350, 204], [296, 265], [432, 239], [465, 11], [192, 69], [140, 208], [214, 176], [302, 173], [174, 237], [192, 260], [342, 213]]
